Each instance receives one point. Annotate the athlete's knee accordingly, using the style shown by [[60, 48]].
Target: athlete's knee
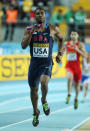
[[70, 79], [44, 79], [69, 76], [44, 85], [34, 90], [86, 86]]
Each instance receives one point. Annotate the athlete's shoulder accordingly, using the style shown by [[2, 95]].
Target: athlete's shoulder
[[52, 27], [56, 28], [80, 44], [52, 30]]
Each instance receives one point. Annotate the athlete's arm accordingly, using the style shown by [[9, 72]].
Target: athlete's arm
[[60, 45], [81, 50], [64, 47], [60, 39], [27, 37], [56, 31]]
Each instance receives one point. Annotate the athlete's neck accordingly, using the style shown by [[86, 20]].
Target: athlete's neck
[[43, 25], [74, 41], [42, 28]]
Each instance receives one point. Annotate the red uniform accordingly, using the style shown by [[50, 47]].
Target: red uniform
[[73, 61]]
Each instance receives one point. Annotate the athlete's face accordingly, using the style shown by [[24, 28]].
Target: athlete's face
[[40, 16], [74, 36]]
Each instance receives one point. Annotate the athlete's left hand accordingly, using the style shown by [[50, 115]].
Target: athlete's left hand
[[58, 58]]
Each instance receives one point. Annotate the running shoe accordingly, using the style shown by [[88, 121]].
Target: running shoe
[[67, 99], [35, 121], [46, 109], [75, 104]]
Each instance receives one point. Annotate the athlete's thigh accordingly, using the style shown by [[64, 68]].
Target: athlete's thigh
[[69, 75], [33, 76], [45, 71], [77, 76]]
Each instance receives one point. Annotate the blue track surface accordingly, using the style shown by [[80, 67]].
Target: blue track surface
[[16, 109]]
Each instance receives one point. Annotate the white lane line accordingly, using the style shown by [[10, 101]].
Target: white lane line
[[13, 92], [20, 122], [13, 100], [30, 107], [81, 123], [15, 110]]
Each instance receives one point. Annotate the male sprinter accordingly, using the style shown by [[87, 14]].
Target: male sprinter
[[74, 50], [40, 40], [85, 76]]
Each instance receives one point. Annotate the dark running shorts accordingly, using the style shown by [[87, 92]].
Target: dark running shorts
[[35, 72], [84, 78]]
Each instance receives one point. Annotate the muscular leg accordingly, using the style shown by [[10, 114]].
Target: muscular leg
[[85, 90], [69, 86], [70, 79], [44, 86], [77, 89], [34, 99]]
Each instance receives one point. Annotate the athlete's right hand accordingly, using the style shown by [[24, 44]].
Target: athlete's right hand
[[34, 28], [58, 58], [31, 29], [27, 37]]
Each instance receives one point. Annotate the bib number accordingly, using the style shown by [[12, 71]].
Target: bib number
[[72, 57], [40, 50]]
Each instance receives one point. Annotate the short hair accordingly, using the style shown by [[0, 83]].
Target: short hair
[[39, 8], [74, 32]]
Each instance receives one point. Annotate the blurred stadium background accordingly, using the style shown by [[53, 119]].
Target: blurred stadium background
[[15, 106], [15, 15]]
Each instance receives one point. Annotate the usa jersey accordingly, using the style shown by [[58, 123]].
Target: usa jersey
[[41, 45]]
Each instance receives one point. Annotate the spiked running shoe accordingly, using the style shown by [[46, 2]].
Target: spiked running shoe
[[75, 104], [46, 109], [67, 99], [35, 121]]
